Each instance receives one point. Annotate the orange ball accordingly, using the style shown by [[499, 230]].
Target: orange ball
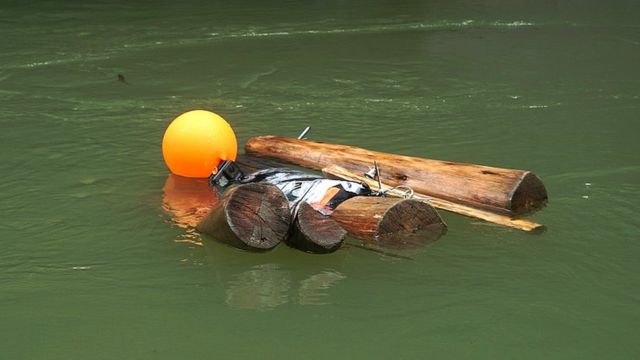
[[196, 141]]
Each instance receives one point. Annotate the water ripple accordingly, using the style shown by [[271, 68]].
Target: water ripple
[[287, 31]]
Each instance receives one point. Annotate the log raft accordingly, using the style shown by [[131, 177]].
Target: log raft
[[250, 163], [389, 222], [362, 217], [504, 191], [249, 216]]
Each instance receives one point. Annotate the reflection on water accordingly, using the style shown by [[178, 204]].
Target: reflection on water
[[187, 201], [281, 277], [267, 286], [313, 290], [263, 287]]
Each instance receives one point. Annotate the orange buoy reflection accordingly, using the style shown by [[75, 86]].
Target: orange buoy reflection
[[187, 200]]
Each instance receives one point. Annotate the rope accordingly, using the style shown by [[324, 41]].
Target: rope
[[408, 191]]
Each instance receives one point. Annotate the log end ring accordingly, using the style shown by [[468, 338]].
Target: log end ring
[[315, 232], [529, 196], [410, 223], [258, 215]]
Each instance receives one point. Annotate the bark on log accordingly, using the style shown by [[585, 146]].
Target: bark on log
[[249, 216], [314, 232], [341, 173], [389, 222], [507, 191]]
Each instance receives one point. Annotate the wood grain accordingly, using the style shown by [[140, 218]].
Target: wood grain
[[249, 216], [389, 222], [314, 232], [338, 172]]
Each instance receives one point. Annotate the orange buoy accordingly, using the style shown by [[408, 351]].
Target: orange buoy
[[196, 141]]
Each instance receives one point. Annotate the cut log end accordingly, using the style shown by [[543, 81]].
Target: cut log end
[[410, 223], [529, 196], [259, 215], [251, 216], [390, 222], [316, 233]]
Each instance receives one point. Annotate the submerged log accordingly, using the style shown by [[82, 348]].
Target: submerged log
[[341, 173], [507, 191], [250, 216], [314, 232], [389, 222]]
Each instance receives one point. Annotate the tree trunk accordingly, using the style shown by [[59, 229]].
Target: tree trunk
[[249, 216], [314, 232], [389, 222], [512, 192]]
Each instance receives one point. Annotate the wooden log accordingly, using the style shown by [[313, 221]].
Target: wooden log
[[507, 191], [311, 232], [341, 173], [389, 222], [249, 216], [314, 232]]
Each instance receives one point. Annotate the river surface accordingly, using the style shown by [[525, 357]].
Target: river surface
[[99, 260]]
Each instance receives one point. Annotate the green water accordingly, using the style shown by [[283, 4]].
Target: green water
[[93, 267]]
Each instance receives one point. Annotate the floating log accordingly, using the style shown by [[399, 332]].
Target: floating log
[[249, 216], [506, 191], [389, 222], [341, 173], [314, 232]]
